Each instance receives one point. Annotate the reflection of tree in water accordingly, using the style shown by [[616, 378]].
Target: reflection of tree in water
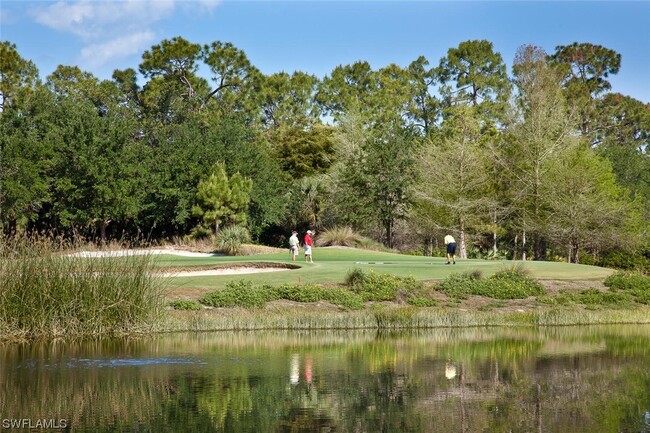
[[388, 384]]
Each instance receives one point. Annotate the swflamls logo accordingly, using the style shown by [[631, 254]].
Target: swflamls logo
[[48, 423]]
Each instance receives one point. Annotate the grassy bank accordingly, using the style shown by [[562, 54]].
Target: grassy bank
[[45, 293], [390, 318]]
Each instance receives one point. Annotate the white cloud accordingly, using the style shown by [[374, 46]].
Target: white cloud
[[92, 19], [112, 29], [95, 55]]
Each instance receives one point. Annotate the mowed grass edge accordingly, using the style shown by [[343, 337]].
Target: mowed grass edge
[[332, 264]]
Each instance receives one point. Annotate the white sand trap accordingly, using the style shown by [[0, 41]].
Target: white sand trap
[[122, 253], [204, 273], [224, 271]]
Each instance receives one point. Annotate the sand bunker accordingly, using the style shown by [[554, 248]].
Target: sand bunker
[[224, 271], [123, 253], [233, 270]]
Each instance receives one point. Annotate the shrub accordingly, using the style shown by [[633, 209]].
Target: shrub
[[628, 281], [639, 261], [594, 297], [199, 232], [341, 236], [185, 304], [238, 294], [373, 286], [230, 239], [506, 284], [306, 293], [343, 298], [419, 301], [354, 277], [459, 286]]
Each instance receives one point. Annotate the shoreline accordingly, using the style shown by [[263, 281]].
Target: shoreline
[[379, 318]]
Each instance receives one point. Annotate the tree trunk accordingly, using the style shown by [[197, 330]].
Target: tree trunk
[[494, 233], [514, 253], [539, 248], [523, 246], [463, 248], [103, 223]]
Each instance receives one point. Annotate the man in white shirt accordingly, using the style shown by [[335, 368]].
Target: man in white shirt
[[451, 249], [294, 245]]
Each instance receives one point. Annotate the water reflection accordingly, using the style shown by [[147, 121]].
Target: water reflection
[[589, 379]]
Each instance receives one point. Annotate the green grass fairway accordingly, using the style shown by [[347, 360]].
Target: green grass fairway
[[332, 264]]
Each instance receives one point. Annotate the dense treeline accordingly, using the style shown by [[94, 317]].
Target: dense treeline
[[544, 162]]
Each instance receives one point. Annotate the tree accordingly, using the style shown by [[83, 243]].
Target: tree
[[17, 75], [535, 141], [424, 108], [234, 75], [345, 89], [288, 100], [588, 209], [373, 176], [478, 75], [585, 68], [93, 170], [221, 200], [455, 175], [302, 153], [26, 148]]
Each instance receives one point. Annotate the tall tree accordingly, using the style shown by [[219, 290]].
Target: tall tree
[[424, 108], [17, 75], [221, 199], [288, 100], [346, 88], [585, 68], [455, 175], [93, 169], [234, 76], [587, 208], [473, 73], [542, 131]]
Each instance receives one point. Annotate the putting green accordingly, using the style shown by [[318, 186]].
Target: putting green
[[332, 264]]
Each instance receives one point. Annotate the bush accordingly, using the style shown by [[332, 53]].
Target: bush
[[185, 304], [419, 301], [354, 277], [199, 232], [638, 261], [230, 239], [460, 286], [506, 284], [343, 298], [338, 236], [373, 286], [628, 281], [306, 293], [593, 297], [239, 294]]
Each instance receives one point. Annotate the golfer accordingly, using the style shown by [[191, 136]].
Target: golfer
[[451, 249], [308, 245], [293, 245]]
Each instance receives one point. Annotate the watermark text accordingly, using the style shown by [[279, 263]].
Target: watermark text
[[48, 423]]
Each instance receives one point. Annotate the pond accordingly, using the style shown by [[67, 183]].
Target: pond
[[562, 379]]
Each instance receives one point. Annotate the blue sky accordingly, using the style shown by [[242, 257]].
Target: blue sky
[[316, 36]]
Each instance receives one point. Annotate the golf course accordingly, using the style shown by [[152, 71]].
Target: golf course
[[331, 264]]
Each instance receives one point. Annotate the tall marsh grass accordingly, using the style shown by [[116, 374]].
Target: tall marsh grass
[[44, 292]]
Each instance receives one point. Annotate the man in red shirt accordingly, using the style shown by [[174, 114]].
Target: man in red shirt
[[308, 245]]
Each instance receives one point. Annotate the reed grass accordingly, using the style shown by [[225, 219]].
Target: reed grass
[[389, 317], [44, 292]]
